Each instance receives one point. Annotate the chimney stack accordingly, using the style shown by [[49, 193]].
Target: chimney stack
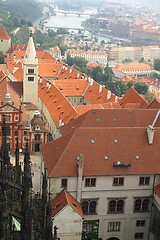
[[80, 175], [150, 134]]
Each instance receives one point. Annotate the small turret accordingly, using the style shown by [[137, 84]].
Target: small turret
[[8, 98]]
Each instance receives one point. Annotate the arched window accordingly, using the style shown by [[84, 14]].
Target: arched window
[[145, 205], [120, 206], [92, 207], [85, 207], [112, 206], [137, 206]]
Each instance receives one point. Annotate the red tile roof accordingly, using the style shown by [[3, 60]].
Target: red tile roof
[[3, 34], [112, 118], [119, 145], [154, 105], [71, 87], [157, 190], [3, 68], [132, 96], [57, 105], [63, 199], [132, 67], [94, 96]]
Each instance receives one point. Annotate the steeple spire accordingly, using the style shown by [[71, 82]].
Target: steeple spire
[[30, 55]]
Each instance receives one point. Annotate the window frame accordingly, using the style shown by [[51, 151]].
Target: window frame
[[30, 70], [140, 223], [118, 181], [139, 235], [115, 205], [64, 183], [144, 181], [90, 182], [29, 79], [114, 226], [89, 208], [142, 202]]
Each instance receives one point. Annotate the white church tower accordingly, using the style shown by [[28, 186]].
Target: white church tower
[[30, 74]]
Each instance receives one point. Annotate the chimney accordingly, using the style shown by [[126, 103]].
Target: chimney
[[70, 70], [78, 74], [100, 88], [91, 82], [63, 67], [40, 79], [108, 94], [66, 67], [47, 83], [150, 134], [79, 177]]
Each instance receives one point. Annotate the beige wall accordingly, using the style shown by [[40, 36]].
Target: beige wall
[[69, 224], [105, 190], [5, 45]]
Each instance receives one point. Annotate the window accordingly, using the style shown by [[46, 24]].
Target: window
[[144, 180], [141, 205], [75, 100], [37, 137], [113, 226], [116, 206], [7, 118], [89, 207], [118, 181], [90, 182], [64, 183], [80, 100], [8, 131], [25, 132], [140, 223], [30, 71], [138, 235], [87, 227], [16, 133], [30, 79]]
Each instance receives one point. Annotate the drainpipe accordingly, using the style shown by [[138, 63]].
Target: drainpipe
[[151, 207]]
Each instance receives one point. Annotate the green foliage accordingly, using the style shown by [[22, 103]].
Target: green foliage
[[18, 13], [127, 60], [1, 58], [109, 73], [149, 96], [97, 74], [129, 84], [118, 88], [62, 31], [141, 88], [157, 64], [156, 76], [79, 63], [63, 48], [141, 60], [94, 225]]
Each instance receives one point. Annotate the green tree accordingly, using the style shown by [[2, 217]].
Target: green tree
[[157, 64], [141, 88], [109, 73], [141, 60], [129, 84], [95, 73], [149, 96], [69, 60], [1, 58], [127, 60]]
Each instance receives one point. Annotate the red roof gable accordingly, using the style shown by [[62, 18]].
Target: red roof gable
[[3, 34], [63, 199], [157, 190], [132, 96]]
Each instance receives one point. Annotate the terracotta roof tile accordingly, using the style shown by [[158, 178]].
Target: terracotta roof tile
[[133, 97], [3, 68], [133, 67], [60, 155], [154, 105], [52, 99], [63, 199], [157, 190], [3, 34]]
